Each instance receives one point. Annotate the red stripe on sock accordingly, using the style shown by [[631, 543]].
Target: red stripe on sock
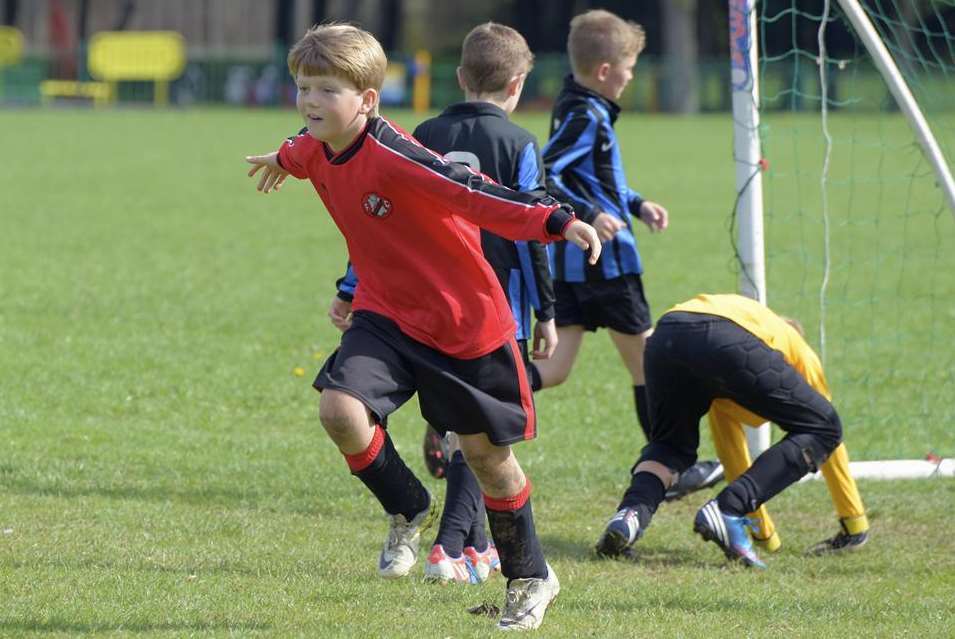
[[509, 503], [360, 461], [527, 395]]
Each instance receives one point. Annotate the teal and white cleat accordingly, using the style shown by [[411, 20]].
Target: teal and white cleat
[[728, 532]]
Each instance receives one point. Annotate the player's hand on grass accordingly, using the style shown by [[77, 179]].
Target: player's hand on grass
[[607, 226], [340, 313], [274, 175], [585, 237], [545, 339], [654, 216]]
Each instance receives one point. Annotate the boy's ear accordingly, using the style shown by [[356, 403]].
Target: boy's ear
[[516, 84], [461, 80], [602, 72], [369, 101]]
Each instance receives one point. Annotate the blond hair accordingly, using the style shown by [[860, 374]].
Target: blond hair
[[340, 50], [491, 55], [599, 36]]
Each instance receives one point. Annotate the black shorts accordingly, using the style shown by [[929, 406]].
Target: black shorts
[[617, 303], [693, 358], [383, 367]]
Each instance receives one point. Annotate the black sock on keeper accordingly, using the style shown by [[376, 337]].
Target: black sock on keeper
[[782, 465]]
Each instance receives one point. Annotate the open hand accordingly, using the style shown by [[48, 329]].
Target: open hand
[[274, 175], [654, 216]]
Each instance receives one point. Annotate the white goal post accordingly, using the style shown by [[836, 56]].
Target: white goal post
[[747, 156]]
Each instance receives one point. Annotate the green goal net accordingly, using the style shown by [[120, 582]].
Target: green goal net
[[859, 238]]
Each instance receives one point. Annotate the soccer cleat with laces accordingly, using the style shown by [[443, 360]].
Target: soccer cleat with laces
[[527, 600], [700, 475], [482, 564], [400, 551], [840, 543], [728, 532], [442, 568], [622, 531]]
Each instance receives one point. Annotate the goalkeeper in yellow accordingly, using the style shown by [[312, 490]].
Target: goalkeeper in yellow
[[732, 358]]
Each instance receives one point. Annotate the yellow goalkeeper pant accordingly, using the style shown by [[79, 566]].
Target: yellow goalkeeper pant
[[729, 439]]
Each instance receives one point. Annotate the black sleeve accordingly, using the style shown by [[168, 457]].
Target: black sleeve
[[545, 282]]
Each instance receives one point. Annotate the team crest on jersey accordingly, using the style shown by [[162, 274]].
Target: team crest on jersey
[[376, 205]]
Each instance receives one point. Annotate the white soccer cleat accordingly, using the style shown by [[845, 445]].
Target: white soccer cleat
[[527, 601], [442, 568], [400, 552], [483, 564]]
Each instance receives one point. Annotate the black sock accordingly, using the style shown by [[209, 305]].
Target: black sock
[[643, 413], [462, 505], [385, 474], [512, 527], [782, 465], [645, 494], [477, 536]]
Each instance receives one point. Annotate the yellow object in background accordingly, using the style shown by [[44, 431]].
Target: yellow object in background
[[118, 56], [421, 86], [157, 56], [11, 46]]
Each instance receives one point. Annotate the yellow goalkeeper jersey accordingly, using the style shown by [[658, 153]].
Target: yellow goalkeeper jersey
[[773, 330]]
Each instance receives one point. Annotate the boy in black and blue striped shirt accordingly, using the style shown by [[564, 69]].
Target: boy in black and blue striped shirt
[[584, 167]]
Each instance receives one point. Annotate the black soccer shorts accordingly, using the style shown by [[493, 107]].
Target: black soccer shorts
[[693, 358], [617, 303], [383, 368]]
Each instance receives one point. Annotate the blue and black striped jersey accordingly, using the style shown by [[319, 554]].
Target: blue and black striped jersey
[[584, 168]]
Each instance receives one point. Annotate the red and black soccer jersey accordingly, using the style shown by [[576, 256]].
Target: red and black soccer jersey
[[412, 224]]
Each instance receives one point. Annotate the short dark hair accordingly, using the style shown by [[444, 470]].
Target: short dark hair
[[491, 55]]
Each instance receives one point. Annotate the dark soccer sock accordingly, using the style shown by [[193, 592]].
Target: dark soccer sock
[[643, 410], [645, 494], [462, 505], [381, 469], [535, 376], [477, 536], [512, 527], [782, 465]]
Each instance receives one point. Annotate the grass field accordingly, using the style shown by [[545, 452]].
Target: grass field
[[163, 472]]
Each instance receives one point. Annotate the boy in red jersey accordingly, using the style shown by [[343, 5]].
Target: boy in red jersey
[[429, 316]]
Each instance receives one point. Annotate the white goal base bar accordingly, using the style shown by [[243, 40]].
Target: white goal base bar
[[897, 469]]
